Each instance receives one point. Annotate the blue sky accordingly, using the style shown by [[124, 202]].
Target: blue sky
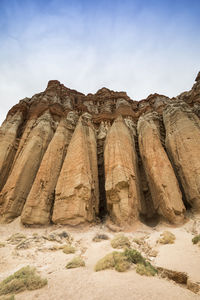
[[138, 46]]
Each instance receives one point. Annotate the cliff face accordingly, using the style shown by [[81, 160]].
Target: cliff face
[[120, 160]]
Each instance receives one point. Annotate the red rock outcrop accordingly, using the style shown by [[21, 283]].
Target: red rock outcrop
[[52, 170]]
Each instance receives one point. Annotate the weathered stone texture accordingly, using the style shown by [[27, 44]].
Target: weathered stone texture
[[183, 145], [76, 198], [121, 178], [52, 170], [18, 185], [38, 206], [162, 181], [8, 144]]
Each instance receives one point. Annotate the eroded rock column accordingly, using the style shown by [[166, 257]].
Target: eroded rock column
[[162, 181], [121, 178], [77, 196], [8, 136], [18, 185], [183, 145], [38, 206]]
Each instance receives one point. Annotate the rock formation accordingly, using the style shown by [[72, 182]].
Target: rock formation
[[40, 200], [76, 196], [18, 185], [162, 181], [123, 159], [183, 145], [121, 176]]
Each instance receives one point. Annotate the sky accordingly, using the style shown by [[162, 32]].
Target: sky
[[138, 46]]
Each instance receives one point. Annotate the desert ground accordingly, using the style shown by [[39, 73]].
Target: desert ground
[[42, 249]]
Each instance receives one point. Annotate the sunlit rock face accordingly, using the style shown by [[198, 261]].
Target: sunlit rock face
[[162, 181], [183, 145], [39, 203], [70, 158], [15, 192], [76, 195], [121, 176]]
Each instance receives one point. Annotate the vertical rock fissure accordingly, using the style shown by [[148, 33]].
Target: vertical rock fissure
[[147, 211], [101, 177], [162, 138]]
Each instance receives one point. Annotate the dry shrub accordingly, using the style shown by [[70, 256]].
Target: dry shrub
[[69, 249], [167, 238], [100, 237], [147, 269], [24, 279], [196, 239], [115, 260], [121, 261], [76, 262], [120, 241]]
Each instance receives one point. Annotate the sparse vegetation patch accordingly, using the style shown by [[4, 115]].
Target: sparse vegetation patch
[[121, 261], [120, 241], [115, 260], [166, 238], [69, 249], [24, 279], [196, 239], [76, 262], [100, 237]]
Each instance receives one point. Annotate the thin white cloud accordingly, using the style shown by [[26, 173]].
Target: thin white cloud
[[86, 52]]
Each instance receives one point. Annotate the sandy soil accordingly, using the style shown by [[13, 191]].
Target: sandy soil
[[85, 283]]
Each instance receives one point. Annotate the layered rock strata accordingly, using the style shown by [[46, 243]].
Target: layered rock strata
[[121, 176], [8, 145], [39, 203], [162, 181], [183, 145], [19, 183], [76, 196], [124, 159]]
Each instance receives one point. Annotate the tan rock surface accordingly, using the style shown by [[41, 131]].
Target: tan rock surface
[[121, 178], [8, 144], [18, 185], [76, 198], [162, 181], [38, 206], [183, 145]]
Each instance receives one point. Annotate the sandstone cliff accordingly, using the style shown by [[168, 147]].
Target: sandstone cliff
[[76, 198], [163, 184], [123, 159], [39, 202], [121, 176]]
